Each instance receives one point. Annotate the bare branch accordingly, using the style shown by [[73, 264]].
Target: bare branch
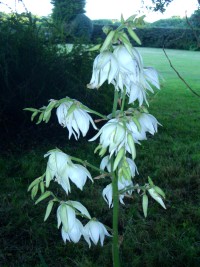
[[178, 74]]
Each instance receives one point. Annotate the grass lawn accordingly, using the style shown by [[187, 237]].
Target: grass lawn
[[172, 158]]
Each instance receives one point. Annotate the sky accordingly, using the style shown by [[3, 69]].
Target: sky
[[108, 9]]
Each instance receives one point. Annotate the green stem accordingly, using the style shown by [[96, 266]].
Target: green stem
[[115, 104], [115, 244], [85, 163], [94, 112], [123, 101], [115, 248]]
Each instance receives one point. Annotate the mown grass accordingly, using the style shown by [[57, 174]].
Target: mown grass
[[172, 158]]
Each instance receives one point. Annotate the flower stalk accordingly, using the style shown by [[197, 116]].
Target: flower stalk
[[121, 65]]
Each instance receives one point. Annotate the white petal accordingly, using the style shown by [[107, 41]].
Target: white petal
[[77, 205]]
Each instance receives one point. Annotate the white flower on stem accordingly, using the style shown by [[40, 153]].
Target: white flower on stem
[[106, 163], [112, 136], [148, 123], [74, 234], [57, 165], [67, 216], [122, 185], [61, 168], [76, 119], [138, 135], [72, 228], [105, 67], [133, 76], [126, 163], [95, 231], [78, 175]]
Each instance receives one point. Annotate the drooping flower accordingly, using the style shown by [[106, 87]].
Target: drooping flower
[[112, 136], [95, 231], [105, 67], [66, 215], [126, 166], [108, 192], [62, 169], [74, 234], [133, 76], [74, 117], [148, 123]]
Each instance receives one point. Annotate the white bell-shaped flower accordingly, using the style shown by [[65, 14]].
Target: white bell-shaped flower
[[148, 123], [105, 67], [57, 165], [133, 76], [108, 193], [74, 234], [112, 136], [61, 168], [105, 164], [95, 231], [76, 119], [78, 175], [67, 216]]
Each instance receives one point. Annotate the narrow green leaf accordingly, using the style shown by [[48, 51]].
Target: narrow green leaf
[[71, 109], [108, 41], [31, 109], [48, 209], [64, 218], [94, 48], [131, 18], [150, 182], [159, 191], [40, 118], [134, 35], [131, 145], [145, 204], [136, 121], [34, 191], [120, 155], [156, 197], [122, 19], [42, 187], [43, 196], [36, 181], [34, 115]]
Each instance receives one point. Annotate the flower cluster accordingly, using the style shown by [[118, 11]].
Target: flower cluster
[[121, 66], [61, 169], [74, 117], [125, 70], [118, 133], [73, 229]]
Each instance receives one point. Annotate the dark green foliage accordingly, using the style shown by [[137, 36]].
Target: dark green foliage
[[105, 22], [34, 70], [171, 157], [68, 16], [195, 19], [81, 27], [65, 10], [173, 22], [157, 37]]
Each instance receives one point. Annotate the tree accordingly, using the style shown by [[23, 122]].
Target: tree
[[195, 19], [70, 19], [160, 5], [66, 10]]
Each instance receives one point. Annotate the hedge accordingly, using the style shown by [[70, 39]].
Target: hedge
[[157, 37]]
